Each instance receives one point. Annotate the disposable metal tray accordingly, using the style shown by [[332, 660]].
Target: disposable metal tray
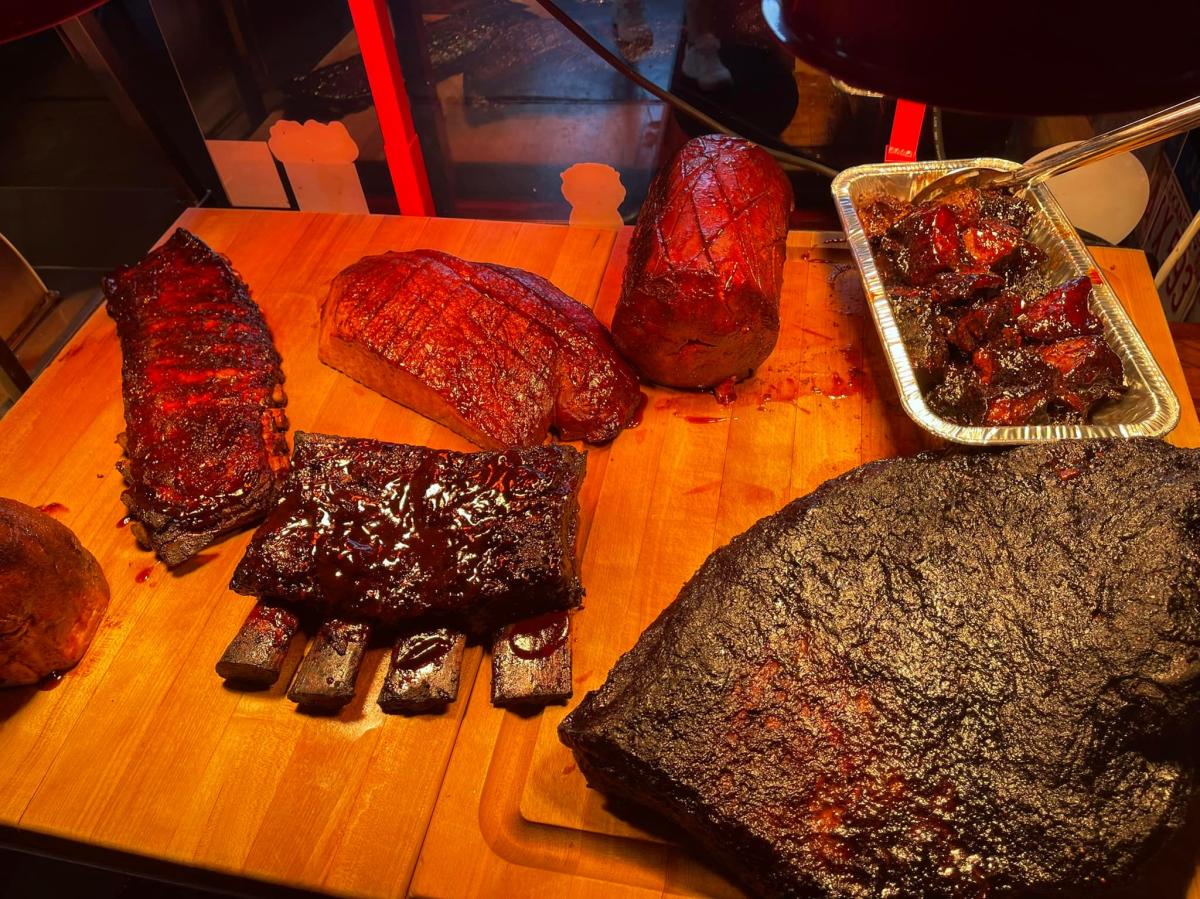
[[1149, 407]]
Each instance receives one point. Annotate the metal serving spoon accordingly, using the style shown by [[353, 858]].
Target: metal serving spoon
[[1145, 131]]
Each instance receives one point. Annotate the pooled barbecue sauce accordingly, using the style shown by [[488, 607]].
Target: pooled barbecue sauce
[[51, 680], [726, 392], [540, 637], [423, 650], [53, 508]]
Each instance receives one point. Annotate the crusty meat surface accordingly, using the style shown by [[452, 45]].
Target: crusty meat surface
[[700, 299], [53, 595], [497, 354], [384, 533], [203, 390], [932, 677]]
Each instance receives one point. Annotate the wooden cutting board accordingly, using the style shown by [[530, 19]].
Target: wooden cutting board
[[142, 748]]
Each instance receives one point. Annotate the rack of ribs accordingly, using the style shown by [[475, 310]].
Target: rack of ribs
[[945, 676], [420, 544], [205, 430], [496, 354]]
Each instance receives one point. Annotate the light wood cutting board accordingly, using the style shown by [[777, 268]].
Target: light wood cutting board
[[142, 749]]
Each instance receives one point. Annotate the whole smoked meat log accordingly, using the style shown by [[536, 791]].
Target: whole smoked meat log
[[386, 533], [700, 300], [945, 676], [205, 428], [496, 354]]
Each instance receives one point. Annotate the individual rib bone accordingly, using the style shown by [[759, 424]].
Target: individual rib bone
[[531, 661], [325, 680], [424, 671], [255, 656]]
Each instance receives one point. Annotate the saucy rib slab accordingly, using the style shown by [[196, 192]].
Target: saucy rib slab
[[700, 299], [948, 676], [496, 354], [203, 390], [387, 533]]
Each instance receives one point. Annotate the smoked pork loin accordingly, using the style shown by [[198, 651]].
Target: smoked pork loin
[[496, 354]]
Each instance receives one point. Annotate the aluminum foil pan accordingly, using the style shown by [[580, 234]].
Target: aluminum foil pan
[[1149, 407]]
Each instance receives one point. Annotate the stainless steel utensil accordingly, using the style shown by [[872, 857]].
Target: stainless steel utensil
[[1137, 134]]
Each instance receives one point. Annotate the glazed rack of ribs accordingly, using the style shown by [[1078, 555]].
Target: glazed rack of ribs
[[205, 429], [423, 546], [496, 354], [953, 676]]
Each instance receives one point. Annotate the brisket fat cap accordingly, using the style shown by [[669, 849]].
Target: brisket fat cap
[[504, 355], [939, 676], [202, 389], [700, 298], [386, 533]]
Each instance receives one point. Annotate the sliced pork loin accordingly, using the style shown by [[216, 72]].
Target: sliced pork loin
[[496, 354]]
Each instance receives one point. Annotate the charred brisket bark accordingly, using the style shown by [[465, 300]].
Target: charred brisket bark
[[203, 391], [951, 677]]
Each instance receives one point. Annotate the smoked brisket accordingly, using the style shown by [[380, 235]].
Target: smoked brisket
[[932, 677]]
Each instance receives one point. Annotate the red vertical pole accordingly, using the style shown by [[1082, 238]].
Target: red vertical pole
[[906, 131], [401, 147]]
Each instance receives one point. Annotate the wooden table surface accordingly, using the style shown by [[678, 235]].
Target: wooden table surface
[[142, 749]]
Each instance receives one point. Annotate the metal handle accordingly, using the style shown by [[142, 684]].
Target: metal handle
[[1137, 134]]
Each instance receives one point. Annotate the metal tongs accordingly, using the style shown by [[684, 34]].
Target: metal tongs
[[1152, 128]]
